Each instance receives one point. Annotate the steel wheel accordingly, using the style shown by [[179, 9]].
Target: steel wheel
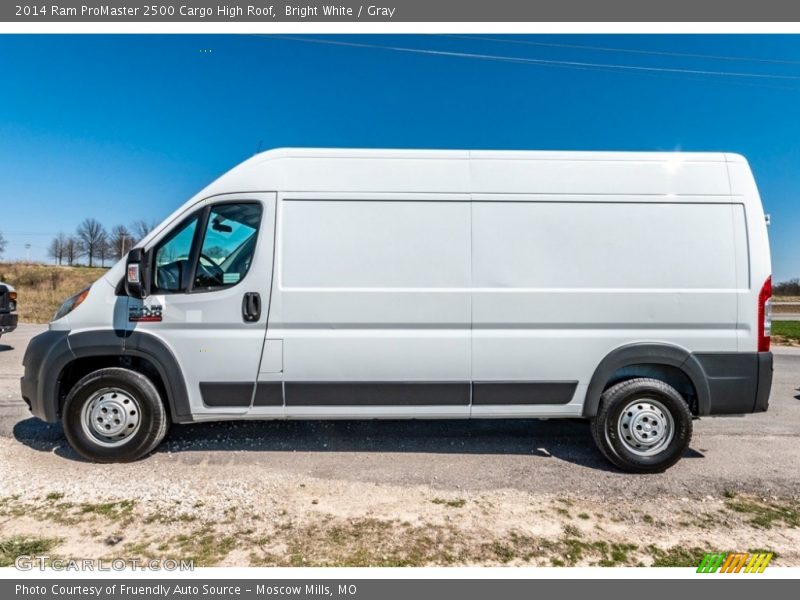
[[111, 416], [645, 427]]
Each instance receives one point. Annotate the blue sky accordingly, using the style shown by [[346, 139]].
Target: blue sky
[[127, 127]]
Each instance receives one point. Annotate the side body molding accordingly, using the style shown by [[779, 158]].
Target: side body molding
[[657, 354]]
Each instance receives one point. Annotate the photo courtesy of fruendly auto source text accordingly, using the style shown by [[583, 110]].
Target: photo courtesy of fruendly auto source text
[[412, 299]]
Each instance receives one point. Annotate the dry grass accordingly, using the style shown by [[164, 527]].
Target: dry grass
[[320, 539], [42, 288]]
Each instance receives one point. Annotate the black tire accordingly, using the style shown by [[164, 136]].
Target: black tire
[[610, 421], [153, 420]]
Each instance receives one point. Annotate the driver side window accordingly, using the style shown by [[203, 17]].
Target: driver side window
[[210, 250], [228, 244], [173, 258]]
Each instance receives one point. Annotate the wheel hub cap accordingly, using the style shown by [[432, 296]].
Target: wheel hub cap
[[111, 416], [646, 427]]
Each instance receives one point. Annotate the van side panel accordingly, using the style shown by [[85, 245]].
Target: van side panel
[[373, 292], [558, 285]]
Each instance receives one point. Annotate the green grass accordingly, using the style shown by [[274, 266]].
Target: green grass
[[677, 556], [572, 531], [204, 546], [109, 509], [767, 514], [787, 329], [11, 548], [458, 503], [691, 557]]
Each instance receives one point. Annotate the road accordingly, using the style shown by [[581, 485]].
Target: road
[[758, 452], [413, 469], [786, 316]]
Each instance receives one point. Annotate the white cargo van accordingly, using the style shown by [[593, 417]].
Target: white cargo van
[[629, 289]]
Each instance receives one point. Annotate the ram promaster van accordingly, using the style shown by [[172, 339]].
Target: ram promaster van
[[628, 289]]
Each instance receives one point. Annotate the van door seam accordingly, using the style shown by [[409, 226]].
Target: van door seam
[[269, 306]]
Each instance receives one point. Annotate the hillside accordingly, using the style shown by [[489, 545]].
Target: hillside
[[42, 288]]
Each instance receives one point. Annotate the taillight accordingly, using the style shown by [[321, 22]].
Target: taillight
[[764, 315]]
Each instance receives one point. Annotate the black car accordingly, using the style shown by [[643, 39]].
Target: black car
[[8, 308]]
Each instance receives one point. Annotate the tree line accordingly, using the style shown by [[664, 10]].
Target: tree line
[[94, 243], [787, 288]]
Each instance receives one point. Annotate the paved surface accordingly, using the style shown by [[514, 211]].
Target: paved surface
[[786, 311], [758, 453], [786, 316]]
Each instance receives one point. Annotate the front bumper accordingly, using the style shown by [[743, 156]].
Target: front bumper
[[8, 322], [47, 355]]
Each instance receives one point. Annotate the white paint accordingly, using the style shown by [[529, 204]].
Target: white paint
[[441, 266]]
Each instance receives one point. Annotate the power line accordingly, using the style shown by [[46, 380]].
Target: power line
[[27, 233], [546, 62], [623, 50]]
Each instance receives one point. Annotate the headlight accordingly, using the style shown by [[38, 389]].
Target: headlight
[[71, 304]]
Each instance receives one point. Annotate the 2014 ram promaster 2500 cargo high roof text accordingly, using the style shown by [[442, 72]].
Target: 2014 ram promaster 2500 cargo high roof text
[[630, 289]]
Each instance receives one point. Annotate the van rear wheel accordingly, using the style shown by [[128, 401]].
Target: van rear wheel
[[643, 425], [114, 415]]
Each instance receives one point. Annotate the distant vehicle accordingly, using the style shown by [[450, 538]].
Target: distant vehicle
[[8, 308], [629, 289]]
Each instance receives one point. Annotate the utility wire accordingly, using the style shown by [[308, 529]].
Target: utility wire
[[27, 233], [621, 50], [541, 61]]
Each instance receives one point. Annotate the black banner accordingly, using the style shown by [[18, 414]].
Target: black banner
[[472, 11], [728, 587]]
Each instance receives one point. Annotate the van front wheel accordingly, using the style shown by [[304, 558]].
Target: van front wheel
[[114, 415], [642, 426]]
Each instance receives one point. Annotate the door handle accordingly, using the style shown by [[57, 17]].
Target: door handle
[[251, 307]]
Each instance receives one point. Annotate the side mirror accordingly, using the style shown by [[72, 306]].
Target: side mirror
[[137, 274]]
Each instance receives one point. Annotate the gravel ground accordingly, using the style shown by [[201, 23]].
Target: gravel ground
[[404, 492]]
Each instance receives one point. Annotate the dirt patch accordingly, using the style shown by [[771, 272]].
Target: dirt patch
[[404, 528]]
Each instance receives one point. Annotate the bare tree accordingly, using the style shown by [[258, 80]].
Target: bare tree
[[104, 249], [141, 228], [787, 288], [90, 234], [71, 250], [121, 241], [58, 248], [2, 244]]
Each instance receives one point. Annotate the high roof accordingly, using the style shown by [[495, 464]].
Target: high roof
[[478, 172]]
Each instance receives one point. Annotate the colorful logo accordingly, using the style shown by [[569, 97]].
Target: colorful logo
[[734, 562]]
